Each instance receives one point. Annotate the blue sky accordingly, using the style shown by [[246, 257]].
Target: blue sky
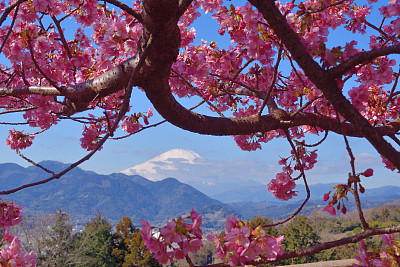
[[61, 143]]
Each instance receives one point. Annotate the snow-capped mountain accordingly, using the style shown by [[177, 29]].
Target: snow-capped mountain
[[159, 168], [209, 177]]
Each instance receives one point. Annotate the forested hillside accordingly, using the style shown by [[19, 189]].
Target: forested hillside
[[56, 239]]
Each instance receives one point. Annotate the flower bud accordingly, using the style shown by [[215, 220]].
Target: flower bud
[[344, 210], [368, 172]]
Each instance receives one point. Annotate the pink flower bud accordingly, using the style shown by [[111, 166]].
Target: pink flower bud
[[369, 172]]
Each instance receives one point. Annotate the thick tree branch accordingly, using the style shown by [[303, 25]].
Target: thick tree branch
[[8, 10], [161, 37], [327, 245], [323, 79], [363, 58]]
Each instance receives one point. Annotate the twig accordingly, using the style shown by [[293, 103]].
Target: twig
[[271, 86], [325, 7], [305, 184], [62, 37], [306, 105], [35, 164], [199, 93], [318, 143], [11, 27], [153, 125], [355, 192], [99, 144], [237, 82], [390, 97], [327, 245], [127, 9], [52, 83], [17, 110], [384, 34], [8, 10]]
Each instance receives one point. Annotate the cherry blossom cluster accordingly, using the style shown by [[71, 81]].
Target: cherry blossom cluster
[[131, 124], [388, 164], [115, 35], [340, 192], [282, 187], [241, 244], [10, 214], [238, 245], [10, 247], [175, 240], [12, 255], [17, 140], [388, 255]]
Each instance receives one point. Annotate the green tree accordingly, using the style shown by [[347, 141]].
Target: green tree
[[263, 221], [97, 241], [299, 234], [385, 214], [58, 242], [129, 249], [204, 256]]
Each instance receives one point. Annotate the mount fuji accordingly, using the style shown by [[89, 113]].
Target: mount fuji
[[209, 177]]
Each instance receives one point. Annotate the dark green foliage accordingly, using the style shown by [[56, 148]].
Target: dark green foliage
[[299, 234], [97, 241]]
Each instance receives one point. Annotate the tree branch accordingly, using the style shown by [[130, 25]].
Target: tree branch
[[340, 242], [325, 80], [160, 19], [127, 9], [363, 58]]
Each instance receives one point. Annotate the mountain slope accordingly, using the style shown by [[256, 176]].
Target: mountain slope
[[168, 161], [207, 176], [84, 193]]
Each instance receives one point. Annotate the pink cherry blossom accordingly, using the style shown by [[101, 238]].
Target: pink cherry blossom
[[242, 244], [330, 209], [41, 5], [175, 240], [10, 214], [282, 187], [388, 164], [90, 137], [18, 140], [12, 254], [363, 257]]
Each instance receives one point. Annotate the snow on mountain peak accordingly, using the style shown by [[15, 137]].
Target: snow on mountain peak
[[178, 153], [154, 168]]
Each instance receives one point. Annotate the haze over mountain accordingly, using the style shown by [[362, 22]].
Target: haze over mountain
[[209, 177], [84, 193]]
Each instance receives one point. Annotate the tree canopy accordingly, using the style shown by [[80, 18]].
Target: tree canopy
[[282, 77]]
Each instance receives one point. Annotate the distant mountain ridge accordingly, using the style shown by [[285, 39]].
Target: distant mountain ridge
[[208, 176], [84, 193]]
